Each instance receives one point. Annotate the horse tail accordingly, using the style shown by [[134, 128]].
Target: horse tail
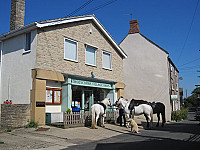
[[163, 114], [93, 118], [151, 114]]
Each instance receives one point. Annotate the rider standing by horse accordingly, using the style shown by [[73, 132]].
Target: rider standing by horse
[[122, 114]]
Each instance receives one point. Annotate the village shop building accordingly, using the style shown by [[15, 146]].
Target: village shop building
[[54, 65]]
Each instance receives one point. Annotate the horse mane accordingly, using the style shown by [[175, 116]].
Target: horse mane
[[138, 102]]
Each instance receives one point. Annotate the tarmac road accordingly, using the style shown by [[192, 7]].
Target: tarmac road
[[182, 135]]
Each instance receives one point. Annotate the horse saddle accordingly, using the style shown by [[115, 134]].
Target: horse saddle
[[153, 105], [104, 106]]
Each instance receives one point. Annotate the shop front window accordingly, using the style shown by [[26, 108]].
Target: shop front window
[[53, 96]]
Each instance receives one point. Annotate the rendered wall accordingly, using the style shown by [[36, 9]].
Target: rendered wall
[[146, 71], [16, 69]]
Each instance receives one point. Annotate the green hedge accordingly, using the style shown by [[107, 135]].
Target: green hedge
[[179, 114]]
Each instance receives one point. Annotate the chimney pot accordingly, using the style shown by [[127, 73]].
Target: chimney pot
[[134, 27]]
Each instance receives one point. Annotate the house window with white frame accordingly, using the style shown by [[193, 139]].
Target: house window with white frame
[[90, 55], [106, 56], [172, 84], [70, 52], [171, 67], [27, 42], [176, 86]]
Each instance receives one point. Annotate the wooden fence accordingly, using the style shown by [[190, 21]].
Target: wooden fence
[[84, 118]]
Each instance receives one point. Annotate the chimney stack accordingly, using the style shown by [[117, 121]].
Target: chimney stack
[[17, 14], [134, 27]]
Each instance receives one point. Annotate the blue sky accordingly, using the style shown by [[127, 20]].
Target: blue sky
[[166, 22]]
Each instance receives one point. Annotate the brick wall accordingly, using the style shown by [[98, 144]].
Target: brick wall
[[14, 115], [50, 51]]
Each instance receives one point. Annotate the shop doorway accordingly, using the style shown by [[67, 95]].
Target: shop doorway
[[88, 100]]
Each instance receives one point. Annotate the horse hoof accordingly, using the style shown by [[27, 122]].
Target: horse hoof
[[103, 126], [94, 128]]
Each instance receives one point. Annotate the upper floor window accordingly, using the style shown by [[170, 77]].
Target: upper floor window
[[90, 55], [70, 52], [171, 67], [28, 42], [177, 87], [106, 60], [172, 84]]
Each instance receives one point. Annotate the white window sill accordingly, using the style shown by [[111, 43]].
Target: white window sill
[[76, 61], [91, 65], [107, 69]]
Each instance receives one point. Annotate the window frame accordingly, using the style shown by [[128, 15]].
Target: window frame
[[95, 59], [76, 50], [53, 93], [177, 87], [172, 84], [27, 49], [110, 60]]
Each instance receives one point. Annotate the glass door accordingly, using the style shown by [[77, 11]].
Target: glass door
[[88, 100]]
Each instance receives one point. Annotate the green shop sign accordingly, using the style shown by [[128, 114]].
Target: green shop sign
[[174, 97], [91, 84]]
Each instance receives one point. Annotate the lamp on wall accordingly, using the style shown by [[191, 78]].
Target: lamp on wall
[[92, 75]]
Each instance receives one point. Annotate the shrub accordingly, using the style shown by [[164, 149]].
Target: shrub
[[176, 115], [179, 114], [32, 124], [68, 110], [184, 113]]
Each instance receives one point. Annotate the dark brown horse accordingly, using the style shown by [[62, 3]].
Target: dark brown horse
[[158, 108]]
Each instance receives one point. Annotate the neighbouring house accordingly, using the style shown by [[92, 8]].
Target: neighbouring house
[[174, 86], [146, 70], [54, 65]]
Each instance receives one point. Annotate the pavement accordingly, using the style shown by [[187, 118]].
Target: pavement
[[175, 135]]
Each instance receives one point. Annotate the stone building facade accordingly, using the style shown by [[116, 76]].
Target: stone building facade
[[50, 54]]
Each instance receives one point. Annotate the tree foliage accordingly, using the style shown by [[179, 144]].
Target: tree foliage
[[194, 99]]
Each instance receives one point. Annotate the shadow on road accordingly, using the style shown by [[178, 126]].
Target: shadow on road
[[143, 141], [166, 144], [192, 127]]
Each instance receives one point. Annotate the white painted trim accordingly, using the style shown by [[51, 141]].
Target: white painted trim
[[41, 25], [86, 44], [95, 55], [76, 49], [110, 60], [16, 32]]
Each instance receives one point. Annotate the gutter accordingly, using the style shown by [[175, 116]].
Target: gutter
[[18, 31]]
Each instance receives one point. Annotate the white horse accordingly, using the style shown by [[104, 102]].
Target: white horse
[[99, 110], [137, 110]]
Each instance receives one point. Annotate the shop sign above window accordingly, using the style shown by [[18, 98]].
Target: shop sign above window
[[91, 84]]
